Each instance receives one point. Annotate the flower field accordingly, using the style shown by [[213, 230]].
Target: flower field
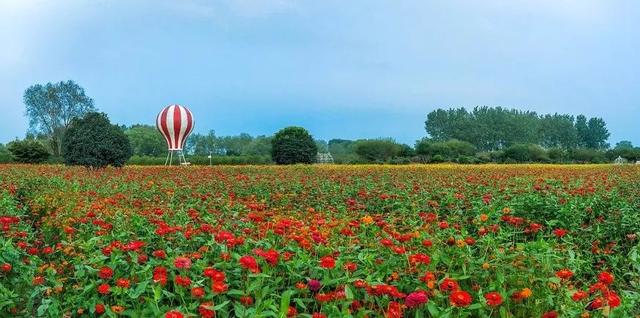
[[320, 241]]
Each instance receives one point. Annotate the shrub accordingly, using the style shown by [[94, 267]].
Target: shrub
[[293, 145], [557, 154], [449, 150], [5, 154], [28, 151], [377, 150], [92, 141], [584, 155], [526, 153]]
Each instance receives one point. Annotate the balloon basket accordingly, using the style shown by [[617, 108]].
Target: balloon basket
[[179, 154]]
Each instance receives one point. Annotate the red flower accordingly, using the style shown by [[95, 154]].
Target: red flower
[[416, 299], [560, 232], [595, 304], [460, 298], [249, 263], [105, 272], [159, 254], [612, 299], [550, 314], [173, 314], [219, 287], [215, 275], [206, 310], [564, 274], [182, 262], [246, 300], [99, 309], [449, 284], [6, 267], [160, 275], [579, 295], [183, 281], [122, 282], [327, 262], [606, 278], [394, 310], [38, 280], [350, 267], [314, 285], [494, 299], [104, 289], [271, 256], [197, 292]]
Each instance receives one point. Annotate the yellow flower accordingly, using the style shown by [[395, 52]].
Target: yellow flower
[[367, 219], [526, 293], [485, 266]]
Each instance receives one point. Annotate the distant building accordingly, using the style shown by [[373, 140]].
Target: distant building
[[620, 160], [324, 157]]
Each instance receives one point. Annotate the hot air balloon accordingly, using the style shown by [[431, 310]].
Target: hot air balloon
[[175, 123]]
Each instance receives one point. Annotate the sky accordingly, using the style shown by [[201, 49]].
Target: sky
[[341, 69]]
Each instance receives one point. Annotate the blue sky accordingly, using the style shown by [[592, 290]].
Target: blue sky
[[342, 69]]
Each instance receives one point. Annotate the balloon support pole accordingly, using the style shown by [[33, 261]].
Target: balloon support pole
[[179, 153]]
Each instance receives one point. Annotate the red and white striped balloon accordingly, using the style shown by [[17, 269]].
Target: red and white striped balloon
[[175, 123]]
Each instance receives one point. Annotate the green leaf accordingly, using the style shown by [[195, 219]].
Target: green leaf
[[284, 303]]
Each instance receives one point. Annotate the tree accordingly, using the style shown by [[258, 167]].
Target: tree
[[51, 108], [598, 134], [259, 146], [624, 144], [293, 145], [146, 140], [5, 154], [92, 141], [342, 150], [377, 150], [28, 151], [526, 153], [582, 130], [447, 150], [236, 145]]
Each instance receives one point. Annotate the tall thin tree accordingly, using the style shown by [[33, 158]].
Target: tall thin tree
[[52, 106]]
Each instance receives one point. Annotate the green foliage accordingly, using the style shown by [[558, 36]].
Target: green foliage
[[240, 145], [342, 151], [5, 154], [496, 128], [526, 153], [557, 155], [203, 160], [293, 145], [583, 155], [51, 108], [28, 151], [92, 141], [377, 150], [146, 140], [626, 150], [448, 150]]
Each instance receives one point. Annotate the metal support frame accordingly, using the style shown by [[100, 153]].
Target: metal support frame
[[180, 154]]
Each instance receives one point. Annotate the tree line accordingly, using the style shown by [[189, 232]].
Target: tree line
[[483, 134], [497, 128]]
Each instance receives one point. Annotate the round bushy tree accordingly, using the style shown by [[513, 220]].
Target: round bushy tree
[[28, 151], [293, 145], [92, 141]]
